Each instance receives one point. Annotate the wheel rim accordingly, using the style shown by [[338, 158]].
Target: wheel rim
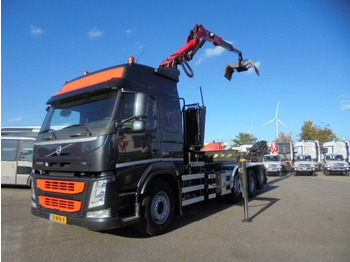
[[237, 187], [160, 208]]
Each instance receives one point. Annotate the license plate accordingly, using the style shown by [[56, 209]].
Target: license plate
[[59, 219]]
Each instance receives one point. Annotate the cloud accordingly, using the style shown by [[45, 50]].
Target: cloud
[[216, 51], [346, 107], [344, 101], [35, 30], [95, 33], [15, 119], [257, 65], [129, 31], [211, 52]]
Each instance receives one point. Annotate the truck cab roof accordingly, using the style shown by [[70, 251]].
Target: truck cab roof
[[140, 77]]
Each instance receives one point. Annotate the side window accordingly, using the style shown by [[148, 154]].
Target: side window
[[9, 150], [171, 116], [151, 113], [127, 108], [128, 105]]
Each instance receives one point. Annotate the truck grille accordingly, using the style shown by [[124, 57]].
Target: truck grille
[[61, 186], [64, 205]]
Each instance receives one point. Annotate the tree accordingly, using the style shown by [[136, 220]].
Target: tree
[[309, 131], [283, 137], [244, 139]]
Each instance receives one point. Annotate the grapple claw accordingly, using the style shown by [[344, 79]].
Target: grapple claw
[[240, 67]]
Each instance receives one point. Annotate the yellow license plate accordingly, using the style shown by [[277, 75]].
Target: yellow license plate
[[59, 219]]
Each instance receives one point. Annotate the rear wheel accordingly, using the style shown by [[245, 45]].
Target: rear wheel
[[159, 208], [261, 179], [251, 183]]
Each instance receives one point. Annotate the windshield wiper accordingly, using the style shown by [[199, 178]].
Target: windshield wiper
[[79, 134]]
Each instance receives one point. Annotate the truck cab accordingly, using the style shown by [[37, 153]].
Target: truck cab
[[303, 164], [273, 164], [335, 164]]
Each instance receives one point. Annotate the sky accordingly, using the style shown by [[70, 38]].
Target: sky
[[301, 47]]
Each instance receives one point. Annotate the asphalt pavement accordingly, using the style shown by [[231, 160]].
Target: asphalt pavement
[[301, 218]]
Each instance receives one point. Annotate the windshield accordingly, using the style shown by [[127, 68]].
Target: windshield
[[92, 112], [303, 158], [335, 157], [272, 158]]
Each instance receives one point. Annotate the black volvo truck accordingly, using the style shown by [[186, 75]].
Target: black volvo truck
[[119, 147]]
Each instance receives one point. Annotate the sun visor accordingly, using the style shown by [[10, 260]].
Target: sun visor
[[92, 79]]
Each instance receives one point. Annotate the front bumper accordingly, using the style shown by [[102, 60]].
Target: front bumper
[[54, 197], [273, 170], [304, 171], [97, 224], [332, 170]]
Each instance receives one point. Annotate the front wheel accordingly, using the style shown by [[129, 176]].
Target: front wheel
[[159, 208]]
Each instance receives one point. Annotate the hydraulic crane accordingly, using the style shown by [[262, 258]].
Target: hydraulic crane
[[195, 40]]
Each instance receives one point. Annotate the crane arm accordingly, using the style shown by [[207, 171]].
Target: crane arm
[[195, 40]]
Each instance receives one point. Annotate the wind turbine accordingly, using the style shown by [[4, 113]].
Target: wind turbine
[[277, 120]]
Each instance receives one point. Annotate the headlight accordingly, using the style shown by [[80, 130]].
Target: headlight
[[32, 189], [98, 193], [99, 214], [266, 165]]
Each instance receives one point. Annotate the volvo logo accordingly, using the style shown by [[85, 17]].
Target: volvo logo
[[58, 150]]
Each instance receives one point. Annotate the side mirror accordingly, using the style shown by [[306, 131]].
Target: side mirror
[[139, 126], [140, 105]]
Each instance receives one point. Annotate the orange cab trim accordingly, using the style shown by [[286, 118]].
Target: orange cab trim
[[61, 186], [65, 205], [92, 79]]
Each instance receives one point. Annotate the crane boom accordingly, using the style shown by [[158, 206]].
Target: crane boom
[[195, 40]]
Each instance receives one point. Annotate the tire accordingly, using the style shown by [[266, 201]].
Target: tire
[[236, 194], [261, 179], [159, 208], [251, 183]]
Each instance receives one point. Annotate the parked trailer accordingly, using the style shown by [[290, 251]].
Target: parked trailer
[[116, 148]]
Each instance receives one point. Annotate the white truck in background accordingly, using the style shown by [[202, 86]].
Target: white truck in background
[[309, 147], [335, 164], [273, 164], [337, 147], [303, 164]]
